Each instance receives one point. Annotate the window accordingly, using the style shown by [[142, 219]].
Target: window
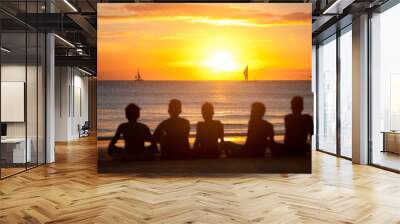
[[385, 89], [346, 93], [327, 95]]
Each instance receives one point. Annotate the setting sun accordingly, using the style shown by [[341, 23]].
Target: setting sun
[[222, 61]]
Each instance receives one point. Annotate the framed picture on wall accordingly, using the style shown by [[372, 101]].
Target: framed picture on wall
[[204, 87]]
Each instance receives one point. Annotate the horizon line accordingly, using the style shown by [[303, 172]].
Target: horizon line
[[203, 80]]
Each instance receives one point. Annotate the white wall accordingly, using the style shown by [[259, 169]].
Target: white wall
[[71, 102], [15, 73], [10, 73], [33, 127], [62, 81], [83, 83]]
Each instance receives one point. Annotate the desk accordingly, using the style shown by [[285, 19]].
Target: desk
[[13, 150], [391, 141]]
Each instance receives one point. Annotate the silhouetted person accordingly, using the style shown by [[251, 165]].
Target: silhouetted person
[[173, 134], [260, 135], [135, 134], [298, 129], [208, 133]]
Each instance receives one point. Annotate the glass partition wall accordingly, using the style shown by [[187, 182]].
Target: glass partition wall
[[385, 89], [13, 86], [22, 88], [334, 93]]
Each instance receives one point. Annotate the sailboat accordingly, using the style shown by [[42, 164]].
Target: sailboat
[[138, 77], [246, 73]]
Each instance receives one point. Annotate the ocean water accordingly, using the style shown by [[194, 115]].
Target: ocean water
[[231, 99]]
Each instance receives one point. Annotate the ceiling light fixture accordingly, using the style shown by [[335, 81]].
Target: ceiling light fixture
[[79, 51], [65, 41], [337, 7], [70, 5], [84, 71], [5, 50]]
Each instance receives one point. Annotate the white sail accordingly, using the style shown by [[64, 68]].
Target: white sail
[[138, 77], [246, 73]]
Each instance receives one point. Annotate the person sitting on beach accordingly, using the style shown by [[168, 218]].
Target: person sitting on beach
[[135, 134], [260, 135], [208, 133], [173, 134], [299, 129]]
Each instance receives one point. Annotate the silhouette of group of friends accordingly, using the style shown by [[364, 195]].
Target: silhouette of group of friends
[[173, 135]]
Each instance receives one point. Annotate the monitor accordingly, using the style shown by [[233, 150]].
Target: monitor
[[3, 129]]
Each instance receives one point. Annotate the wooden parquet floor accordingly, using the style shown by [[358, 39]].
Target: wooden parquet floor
[[71, 191]]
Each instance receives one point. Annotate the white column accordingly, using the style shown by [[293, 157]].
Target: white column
[[314, 91], [50, 99], [360, 89]]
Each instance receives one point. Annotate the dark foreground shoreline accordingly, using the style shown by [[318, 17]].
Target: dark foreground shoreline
[[267, 165]]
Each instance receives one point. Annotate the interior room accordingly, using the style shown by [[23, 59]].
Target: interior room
[[217, 83], [50, 129]]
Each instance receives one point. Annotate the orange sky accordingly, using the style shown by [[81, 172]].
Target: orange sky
[[204, 41]]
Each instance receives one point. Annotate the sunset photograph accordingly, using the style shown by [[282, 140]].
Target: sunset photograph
[[205, 72]]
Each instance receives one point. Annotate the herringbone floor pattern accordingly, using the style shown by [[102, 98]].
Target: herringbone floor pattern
[[71, 191]]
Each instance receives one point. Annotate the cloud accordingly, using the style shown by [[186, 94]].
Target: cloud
[[181, 64], [297, 16], [216, 14], [171, 38], [214, 21], [244, 23]]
